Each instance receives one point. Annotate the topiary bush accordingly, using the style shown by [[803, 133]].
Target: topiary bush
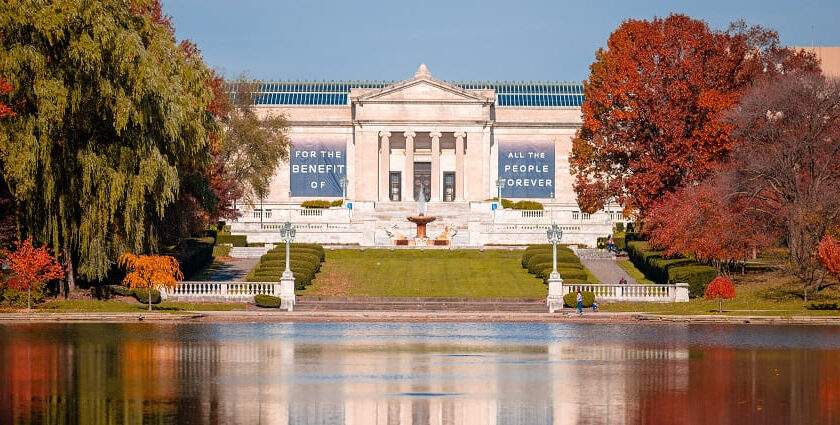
[[542, 267], [121, 290], [527, 205], [570, 299], [235, 240], [337, 203], [697, 277], [266, 301], [315, 203], [142, 295], [534, 261]]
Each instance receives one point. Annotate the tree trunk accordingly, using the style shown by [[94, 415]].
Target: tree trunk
[[29, 297], [70, 280], [720, 305], [150, 298]]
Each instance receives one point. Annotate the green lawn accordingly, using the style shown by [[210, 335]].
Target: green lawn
[[757, 294], [96, 306], [493, 273]]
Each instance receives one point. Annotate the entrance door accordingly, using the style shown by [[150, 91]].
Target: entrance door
[[423, 174], [396, 185], [448, 187]]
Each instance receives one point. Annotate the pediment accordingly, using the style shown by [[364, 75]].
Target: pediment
[[423, 90]]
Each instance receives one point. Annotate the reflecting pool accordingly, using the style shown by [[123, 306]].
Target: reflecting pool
[[419, 373]]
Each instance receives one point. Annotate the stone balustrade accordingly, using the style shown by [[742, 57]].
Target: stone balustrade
[[220, 291], [677, 292]]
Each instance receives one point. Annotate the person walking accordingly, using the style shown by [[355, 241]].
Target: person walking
[[623, 281], [579, 303], [610, 244]]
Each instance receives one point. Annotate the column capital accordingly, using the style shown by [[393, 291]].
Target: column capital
[[460, 134], [435, 134], [386, 134], [410, 133]]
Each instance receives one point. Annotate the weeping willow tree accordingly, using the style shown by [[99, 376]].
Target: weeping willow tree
[[107, 109]]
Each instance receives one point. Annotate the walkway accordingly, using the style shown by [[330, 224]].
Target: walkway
[[607, 271], [233, 270]]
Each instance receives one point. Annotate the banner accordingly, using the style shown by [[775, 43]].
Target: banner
[[527, 168], [316, 167]]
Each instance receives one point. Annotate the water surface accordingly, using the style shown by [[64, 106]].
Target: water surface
[[414, 373]]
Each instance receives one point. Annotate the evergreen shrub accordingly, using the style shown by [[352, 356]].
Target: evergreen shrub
[[266, 301], [570, 299], [235, 240]]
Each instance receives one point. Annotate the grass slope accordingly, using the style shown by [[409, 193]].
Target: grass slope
[[492, 273], [96, 306]]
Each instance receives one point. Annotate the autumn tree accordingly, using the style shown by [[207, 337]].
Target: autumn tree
[[150, 272], [253, 145], [787, 135], [656, 102], [5, 88], [707, 223], [32, 268], [110, 112], [829, 255], [720, 288]]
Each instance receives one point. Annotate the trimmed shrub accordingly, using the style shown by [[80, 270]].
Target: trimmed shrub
[[235, 240], [266, 301], [221, 250], [337, 203], [293, 264], [548, 258], [527, 205], [142, 295], [16, 298], [572, 274], [121, 290], [295, 249], [619, 239], [507, 204], [570, 299], [697, 276], [315, 203], [298, 256], [618, 228], [576, 282], [547, 266]]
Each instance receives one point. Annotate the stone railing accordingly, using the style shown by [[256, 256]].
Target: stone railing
[[220, 291], [677, 292]]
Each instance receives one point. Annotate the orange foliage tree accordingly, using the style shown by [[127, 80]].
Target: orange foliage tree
[[150, 272], [829, 253], [657, 99], [720, 288], [32, 268]]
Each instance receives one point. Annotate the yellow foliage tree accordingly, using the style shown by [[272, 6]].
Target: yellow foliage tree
[[151, 272]]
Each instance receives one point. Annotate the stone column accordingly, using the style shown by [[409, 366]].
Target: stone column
[[384, 164], [408, 173], [459, 165], [435, 166]]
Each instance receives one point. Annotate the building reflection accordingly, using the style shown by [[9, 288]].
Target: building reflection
[[85, 374]]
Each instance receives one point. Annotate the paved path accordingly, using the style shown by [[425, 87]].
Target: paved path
[[236, 269], [608, 271]]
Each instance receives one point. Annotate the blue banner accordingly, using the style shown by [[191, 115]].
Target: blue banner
[[527, 168], [316, 167]]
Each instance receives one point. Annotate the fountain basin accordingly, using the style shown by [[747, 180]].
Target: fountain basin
[[421, 221]]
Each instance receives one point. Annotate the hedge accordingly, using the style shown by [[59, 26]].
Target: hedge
[[619, 240], [570, 299], [121, 290], [337, 203], [193, 255], [527, 205], [142, 295], [315, 203], [304, 248], [548, 258], [266, 301], [235, 240], [299, 256], [542, 266], [292, 264], [697, 276]]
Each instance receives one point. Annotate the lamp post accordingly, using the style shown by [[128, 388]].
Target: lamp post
[[554, 234], [287, 233], [555, 282], [287, 280], [500, 184], [343, 183]]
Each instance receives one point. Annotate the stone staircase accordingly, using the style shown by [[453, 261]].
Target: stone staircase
[[314, 304], [248, 252], [454, 214]]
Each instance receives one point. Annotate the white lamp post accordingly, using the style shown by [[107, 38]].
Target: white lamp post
[[500, 184], [555, 282], [287, 280]]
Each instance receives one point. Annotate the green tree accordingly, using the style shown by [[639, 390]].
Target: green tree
[[253, 145], [108, 108]]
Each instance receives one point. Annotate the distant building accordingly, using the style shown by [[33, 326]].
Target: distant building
[[829, 57], [454, 140]]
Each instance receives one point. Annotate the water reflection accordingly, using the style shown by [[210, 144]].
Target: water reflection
[[418, 374]]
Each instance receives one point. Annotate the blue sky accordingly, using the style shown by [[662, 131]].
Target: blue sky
[[522, 40]]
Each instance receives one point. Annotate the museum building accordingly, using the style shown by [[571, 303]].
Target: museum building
[[380, 145]]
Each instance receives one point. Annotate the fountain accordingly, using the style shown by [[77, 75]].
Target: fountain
[[421, 219]]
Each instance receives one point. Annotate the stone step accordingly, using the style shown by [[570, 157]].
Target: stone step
[[248, 252], [593, 254]]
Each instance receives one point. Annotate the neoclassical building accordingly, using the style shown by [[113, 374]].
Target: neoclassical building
[[380, 145]]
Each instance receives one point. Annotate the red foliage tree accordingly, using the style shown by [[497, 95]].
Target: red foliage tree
[[657, 98], [829, 253], [32, 268], [720, 288], [226, 189], [150, 271], [707, 223], [5, 88]]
